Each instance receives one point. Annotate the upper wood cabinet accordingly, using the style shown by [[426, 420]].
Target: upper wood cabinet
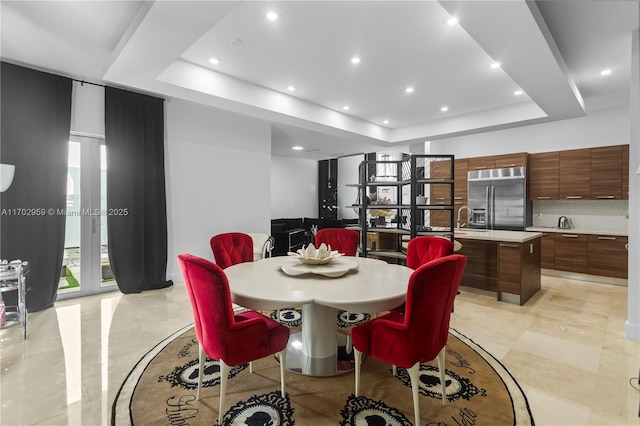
[[511, 160], [625, 172], [542, 175], [606, 173], [482, 163], [574, 176]]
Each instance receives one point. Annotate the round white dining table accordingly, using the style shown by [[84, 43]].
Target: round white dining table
[[370, 286]]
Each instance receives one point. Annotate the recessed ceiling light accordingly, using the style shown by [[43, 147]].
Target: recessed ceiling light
[[346, 107], [409, 89], [495, 65], [214, 61], [272, 16], [355, 60], [444, 109], [518, 92], [385, 122], [297, 148], [291, 88], [452, 21], [606, 72]]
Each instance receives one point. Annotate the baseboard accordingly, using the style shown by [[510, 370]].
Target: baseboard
[[632, 331], [585, 277]]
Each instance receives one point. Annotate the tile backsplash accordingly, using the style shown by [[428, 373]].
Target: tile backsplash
[[596, 215]]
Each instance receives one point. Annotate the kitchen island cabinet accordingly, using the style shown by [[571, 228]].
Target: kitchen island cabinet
[[506, 262]]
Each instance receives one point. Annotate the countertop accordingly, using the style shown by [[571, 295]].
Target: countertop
[[493, 235], [577, 231]]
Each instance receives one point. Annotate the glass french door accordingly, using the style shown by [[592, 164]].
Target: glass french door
[[85, 266]]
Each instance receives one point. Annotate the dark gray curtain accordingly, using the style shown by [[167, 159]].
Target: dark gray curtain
[[136, 197], [36, 121]]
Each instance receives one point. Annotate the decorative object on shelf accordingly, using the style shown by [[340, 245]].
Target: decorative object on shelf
[[312, 256], [335, 269], [381, 212], [6, 176], [421, 199]]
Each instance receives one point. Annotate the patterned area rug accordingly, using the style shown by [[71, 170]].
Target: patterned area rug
[[161, 390]]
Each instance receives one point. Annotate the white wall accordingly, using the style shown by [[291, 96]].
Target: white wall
[[600, 128], [218, 178], [294, 188], [633, 297]]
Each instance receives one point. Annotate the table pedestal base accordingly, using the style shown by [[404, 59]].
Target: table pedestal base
[[301, 363]]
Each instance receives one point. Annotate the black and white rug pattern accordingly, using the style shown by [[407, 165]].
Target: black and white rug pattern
[[273, 409]]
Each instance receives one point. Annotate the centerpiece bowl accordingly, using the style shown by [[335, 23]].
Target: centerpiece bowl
[[311, 256]]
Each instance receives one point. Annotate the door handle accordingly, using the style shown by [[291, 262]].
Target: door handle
[[573, 197], [607, 238], [543, 198], [605, 197], [569, 236]]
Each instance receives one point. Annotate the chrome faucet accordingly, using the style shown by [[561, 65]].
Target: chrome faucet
[[459, 211]]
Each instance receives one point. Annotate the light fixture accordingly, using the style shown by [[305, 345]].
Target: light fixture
[[444, 109], [495, 65], [606, 71], [385, 122], [214, 61], [346, 107], [297, 148], [518, 92], [6, 176], [355, 60], [409, 89], [291, 88], [272, 16], [452, 21]]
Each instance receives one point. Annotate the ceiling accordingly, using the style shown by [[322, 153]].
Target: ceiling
[[552, 51]]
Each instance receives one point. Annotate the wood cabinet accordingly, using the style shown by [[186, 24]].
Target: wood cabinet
[[518, 159], [440, 194], [542, 175], [571, 252], [606, 173], [574, 175], [607, 256], [548, 251], [625, 172], [481, 163], [519, 270], [481, 270], [511, 160], [461, 167]]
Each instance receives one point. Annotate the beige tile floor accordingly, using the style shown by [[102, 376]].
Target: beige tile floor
[[566, 348]]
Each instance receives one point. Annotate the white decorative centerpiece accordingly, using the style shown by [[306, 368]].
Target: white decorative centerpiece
[[312, 256]]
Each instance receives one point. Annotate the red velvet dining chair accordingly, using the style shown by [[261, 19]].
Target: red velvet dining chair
[[420, 333], [346, 241], [233, 339], [231, 248], [421, 250]]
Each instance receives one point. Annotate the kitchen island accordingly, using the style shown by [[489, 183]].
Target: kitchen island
[[505, 262]]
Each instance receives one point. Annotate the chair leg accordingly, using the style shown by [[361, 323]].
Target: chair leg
[[224, 375], [251, 367], [348, 346], [282, 356], [443, 377], [394, 370], [414, 375], [201, 360], [357, 358]]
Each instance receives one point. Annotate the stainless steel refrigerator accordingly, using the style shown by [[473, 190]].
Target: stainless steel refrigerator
[[498, 199]]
